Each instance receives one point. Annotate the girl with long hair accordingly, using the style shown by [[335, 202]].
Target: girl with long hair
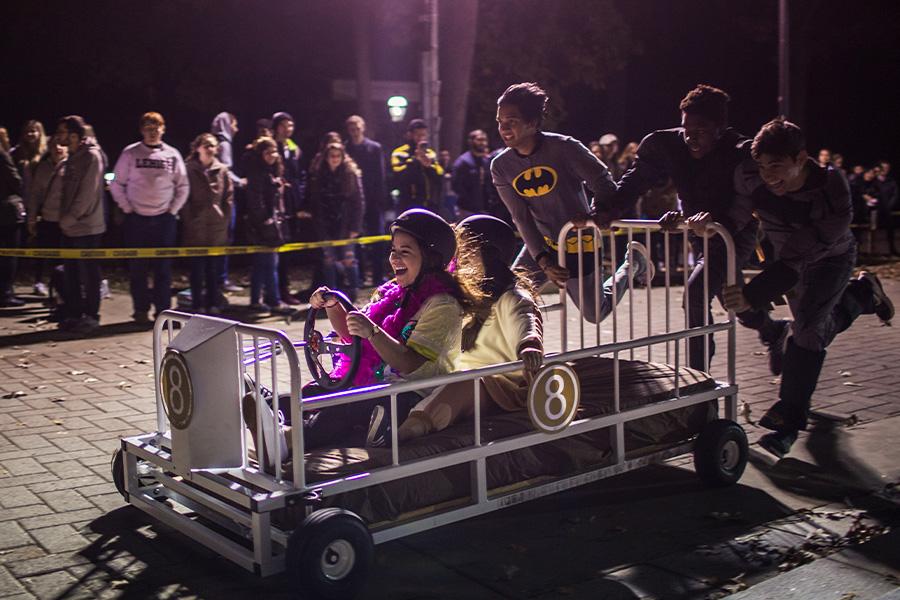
[[336, 198], [205, 218], [31, 147], [505, 328], [411, 329], [265, 188]]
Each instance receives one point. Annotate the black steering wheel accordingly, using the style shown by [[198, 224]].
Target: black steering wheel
[[318, 345]]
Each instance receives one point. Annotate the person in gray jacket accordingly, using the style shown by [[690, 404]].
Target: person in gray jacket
[[82, 223], [540, 177], [805, 210]]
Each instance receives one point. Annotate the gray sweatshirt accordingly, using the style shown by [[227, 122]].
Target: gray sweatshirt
[[150, 180], [545, 190], [81, 209], [805, 226]]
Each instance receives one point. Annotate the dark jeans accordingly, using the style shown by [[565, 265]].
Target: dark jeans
[[823, 305], [715, 265], [10, 237], [375, 254], [48, 235], [265, 277], [343, 426], [150, 232], [205, 271], [339, 275], [81, 290], [223, 265]]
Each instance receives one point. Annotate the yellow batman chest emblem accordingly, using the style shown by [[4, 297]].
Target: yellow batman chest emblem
[[535, 181]]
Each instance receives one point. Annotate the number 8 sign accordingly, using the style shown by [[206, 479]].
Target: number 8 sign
[[553, 398], [177, 392]]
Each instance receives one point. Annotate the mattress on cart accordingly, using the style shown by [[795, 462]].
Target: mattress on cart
[[640, 383]]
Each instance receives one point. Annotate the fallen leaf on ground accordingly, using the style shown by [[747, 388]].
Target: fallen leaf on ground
[[123, 384], [15, 394], [852, 384], [91, 380], [845, 373], [76, 372]]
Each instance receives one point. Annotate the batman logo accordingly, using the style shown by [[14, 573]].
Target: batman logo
[[535, 181]]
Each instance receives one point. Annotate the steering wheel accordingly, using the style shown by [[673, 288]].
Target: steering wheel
[[318, 345]]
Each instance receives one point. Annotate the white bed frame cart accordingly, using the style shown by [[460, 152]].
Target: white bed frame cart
[[197, 473]]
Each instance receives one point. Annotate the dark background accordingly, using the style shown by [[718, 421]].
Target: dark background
[[611, 65]]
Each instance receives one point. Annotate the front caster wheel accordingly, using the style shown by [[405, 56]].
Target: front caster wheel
[[330, 554], [720, 453]]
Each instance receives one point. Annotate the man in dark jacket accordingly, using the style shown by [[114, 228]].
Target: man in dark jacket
[[887, 202], [805, 210], [83, 223], [294, 193], [369, 157], [12, 215], [701, 157], [416, 170], [472, 176]]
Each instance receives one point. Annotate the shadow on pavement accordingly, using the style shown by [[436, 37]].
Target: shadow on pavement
[[595, 541]]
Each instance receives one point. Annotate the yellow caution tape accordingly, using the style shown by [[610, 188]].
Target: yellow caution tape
[[105, 253]]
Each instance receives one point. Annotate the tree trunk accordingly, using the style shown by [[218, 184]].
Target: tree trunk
[[363, 64], [458, 26]]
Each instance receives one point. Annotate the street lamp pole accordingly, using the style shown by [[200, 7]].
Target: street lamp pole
[[784, 58], [431, 83]]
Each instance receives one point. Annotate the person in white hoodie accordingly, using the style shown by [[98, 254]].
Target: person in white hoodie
[[150, 186]]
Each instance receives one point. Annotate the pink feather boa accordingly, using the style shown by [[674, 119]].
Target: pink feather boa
[[391, 314]]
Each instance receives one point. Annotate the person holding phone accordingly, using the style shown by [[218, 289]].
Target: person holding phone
[[416, 171]]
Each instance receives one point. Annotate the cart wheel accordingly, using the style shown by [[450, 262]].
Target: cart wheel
[[720, 453], [117, 465], [330, 554]]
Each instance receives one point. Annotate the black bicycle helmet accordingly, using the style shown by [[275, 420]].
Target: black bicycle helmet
[[431, 231], [494, 233]]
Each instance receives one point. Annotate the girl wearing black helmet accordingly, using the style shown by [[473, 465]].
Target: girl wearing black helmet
[[410, 329], [506, 328]]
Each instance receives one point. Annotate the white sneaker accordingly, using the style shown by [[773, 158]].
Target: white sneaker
[[104, 289], [40, 289], [269, 433], [644, 269]]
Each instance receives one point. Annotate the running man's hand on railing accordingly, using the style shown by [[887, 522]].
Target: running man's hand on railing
[[734, 299], [555, 273], [671, 221], [699, 222]]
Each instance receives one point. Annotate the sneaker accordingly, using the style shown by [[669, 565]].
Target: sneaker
[[141, 317], [884, 308], [260, 309], [282, 308], [289, 300], [778, 347], [104, 289], [644, 269], [778, 443], [248, 409], [85, 326], [40, 289], [379, 434], [67, 324], [11, 302], [232, 287]]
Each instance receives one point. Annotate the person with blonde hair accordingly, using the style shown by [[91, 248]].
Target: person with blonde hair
[[205, 218], [31, 147]]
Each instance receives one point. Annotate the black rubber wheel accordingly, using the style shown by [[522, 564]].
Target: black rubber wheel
[[330, 555], [720, 453], [117, 466], [318, 345]]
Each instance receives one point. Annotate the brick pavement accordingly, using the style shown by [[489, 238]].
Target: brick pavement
[[65, 403]]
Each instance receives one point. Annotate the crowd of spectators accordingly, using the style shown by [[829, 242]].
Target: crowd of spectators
[[59, 190]]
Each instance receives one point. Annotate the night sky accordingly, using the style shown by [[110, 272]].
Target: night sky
[[111, 61]]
